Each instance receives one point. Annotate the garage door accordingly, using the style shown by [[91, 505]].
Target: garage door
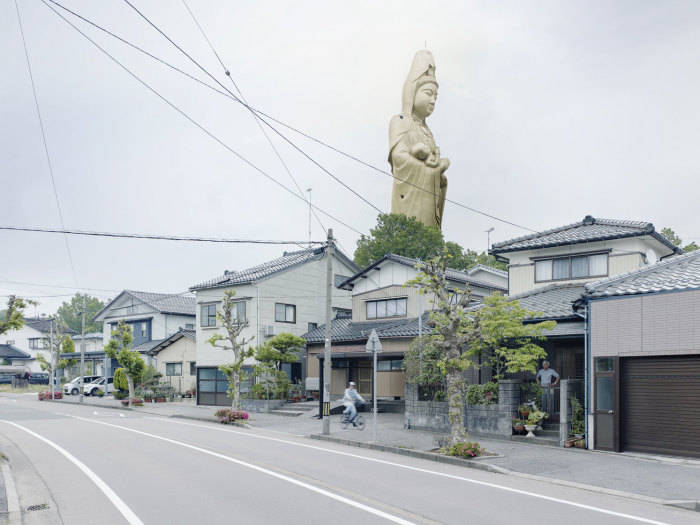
[[661, 405]]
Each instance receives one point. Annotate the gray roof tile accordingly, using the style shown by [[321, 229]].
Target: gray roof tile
[[552, 302], [588, 230], [681, 272], [12, 352], [43, 324], [166, 303]]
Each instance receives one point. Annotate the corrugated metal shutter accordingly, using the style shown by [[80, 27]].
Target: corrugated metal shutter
[[661, 405]]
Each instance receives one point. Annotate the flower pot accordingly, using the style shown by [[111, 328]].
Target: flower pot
[[530, 430], [580, 443], [569, 443]]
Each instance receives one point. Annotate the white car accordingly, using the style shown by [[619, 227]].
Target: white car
[[99, 384], [73, 387]]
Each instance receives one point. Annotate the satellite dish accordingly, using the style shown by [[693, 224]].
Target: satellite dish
[[651, 256]]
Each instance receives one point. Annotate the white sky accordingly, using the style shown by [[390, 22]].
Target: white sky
[[548, 111]]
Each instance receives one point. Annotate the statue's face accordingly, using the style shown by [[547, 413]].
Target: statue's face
[[424, 102]]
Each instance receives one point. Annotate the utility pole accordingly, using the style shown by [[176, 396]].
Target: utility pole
[[375, 346], [330, 249], [53, 368], [308, 190], [488, 239], [82, 355]]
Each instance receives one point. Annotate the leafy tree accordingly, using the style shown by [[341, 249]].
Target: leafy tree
[[13, 316], [231, 341], [677, 241], [71, 313], [407, 236], [121, 382], [119, 347], [62, 344], [461, 333], [280, 349]]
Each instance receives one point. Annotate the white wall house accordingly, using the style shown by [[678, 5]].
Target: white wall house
[[175, 358], [286, 294], [32, 339], [94, 341], [152, 316]]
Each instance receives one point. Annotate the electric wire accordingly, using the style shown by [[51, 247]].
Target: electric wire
[[45, 142], [282, 123], [257, 119], [153, 237], [197, 124]]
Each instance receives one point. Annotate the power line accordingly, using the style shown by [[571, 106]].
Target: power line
[[255, 116], [44, 285], [44, 141], [197, 124], [153, 237], [206, 72], [278, 121]]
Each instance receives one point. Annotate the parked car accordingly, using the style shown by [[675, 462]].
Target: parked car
[[72, 387], [99, 384], [39, 378], [5, 379]]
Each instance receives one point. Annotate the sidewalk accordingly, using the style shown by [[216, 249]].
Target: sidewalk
[[645, 475]]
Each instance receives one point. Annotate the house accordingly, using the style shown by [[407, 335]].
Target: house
[[644, 358], [381, 302], [286, 294], [32, 339], [13, 356], [547, 273], [94, 341], [175, 359], [153, 317]]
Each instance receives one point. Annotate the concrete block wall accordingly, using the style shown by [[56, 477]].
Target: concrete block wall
[[424, 415]]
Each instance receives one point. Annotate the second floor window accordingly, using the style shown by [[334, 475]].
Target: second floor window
[[38, 343], [576, 267], [386, 308], [285, 313], [173, 369], [208, 315]]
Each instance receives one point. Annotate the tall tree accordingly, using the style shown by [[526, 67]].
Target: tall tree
[[62, 344], [13, 316], [119, 347], [233, 326], [464, 259], [460, 333], [71, 313], [677, 241]]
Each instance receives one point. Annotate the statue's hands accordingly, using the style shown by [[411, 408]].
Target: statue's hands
[[433, 161], [444, 164], [420, 151]]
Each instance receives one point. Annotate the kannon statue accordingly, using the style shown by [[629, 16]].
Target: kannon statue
[[420, 184]]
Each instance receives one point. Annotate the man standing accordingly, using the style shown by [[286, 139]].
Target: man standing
[[350, 399], [547, 378]]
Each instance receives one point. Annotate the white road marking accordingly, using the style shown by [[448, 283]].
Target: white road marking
[[122, 507], [418, 469], [342, 499]]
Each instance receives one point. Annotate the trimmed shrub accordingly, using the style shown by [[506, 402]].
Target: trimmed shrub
[[121, 382], [465, 449], [43, 396]]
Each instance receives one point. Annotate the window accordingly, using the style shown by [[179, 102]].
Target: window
[[389, 364], [37, 343], [386, 308], [208, 315], [576, 267], [189, 326], [144, 330], [285, 313], [173, 369], [193, 368], [240, 312], [311, 326]]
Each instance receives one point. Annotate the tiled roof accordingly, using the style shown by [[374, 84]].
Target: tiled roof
[[166, 303], [681, 272], [485, 268], [43, 325], [552, 302], [90, 335], [458, 276], [588, 230], [147, 346], [343, 329], [266, 269], [566, 328], [164, 343], [12, 352]]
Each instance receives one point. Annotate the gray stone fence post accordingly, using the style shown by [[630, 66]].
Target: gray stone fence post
[[564, 415], [509, 395]]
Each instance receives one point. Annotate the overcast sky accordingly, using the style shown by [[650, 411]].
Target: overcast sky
[[548, 111]]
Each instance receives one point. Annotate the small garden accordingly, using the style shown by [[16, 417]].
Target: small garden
[[227, 416]]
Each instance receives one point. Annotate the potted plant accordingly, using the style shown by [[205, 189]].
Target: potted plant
[[524, 411], [518, 426]]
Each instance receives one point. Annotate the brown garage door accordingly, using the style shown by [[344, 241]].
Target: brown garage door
[[661, 405]]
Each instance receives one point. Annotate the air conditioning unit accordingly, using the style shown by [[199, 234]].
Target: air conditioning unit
[[269, 330]]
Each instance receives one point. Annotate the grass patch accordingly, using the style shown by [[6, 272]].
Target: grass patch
[[30, 389]]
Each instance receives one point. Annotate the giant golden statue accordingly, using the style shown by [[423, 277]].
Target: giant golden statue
[[420, 184]]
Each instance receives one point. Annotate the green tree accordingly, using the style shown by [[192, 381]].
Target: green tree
[[119, 347], [464, 259], [13, 316], [280, 349], [62, 344], [233, 327], [121, 382], [461, 333], [677, 241], [71, 313]]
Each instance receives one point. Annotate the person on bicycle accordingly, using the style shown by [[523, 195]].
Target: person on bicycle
[[350, 399]]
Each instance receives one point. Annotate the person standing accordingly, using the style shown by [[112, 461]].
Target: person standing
[[547, 378]]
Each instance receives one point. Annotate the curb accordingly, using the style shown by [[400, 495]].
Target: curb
[[473, 463]]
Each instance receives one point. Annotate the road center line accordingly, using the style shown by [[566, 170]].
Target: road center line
[[308, 486], [417, 469], [122, 507]]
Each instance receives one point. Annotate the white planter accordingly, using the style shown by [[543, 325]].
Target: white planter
[[530, 430]]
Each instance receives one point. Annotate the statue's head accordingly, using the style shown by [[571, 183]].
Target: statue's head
[[425, 97]]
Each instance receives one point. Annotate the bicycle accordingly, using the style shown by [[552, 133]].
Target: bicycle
[[359, 422]]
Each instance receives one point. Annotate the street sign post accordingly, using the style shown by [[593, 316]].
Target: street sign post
[[374, 346]]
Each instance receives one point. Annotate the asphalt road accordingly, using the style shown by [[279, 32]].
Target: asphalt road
[[101, 466]]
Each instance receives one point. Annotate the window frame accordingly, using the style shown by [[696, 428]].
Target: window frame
[[374, 303], [286, 310], [570, 259], [208, 316], [173, 363], [193, 368]]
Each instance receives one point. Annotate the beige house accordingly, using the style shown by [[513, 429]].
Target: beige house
[[175, 358]]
